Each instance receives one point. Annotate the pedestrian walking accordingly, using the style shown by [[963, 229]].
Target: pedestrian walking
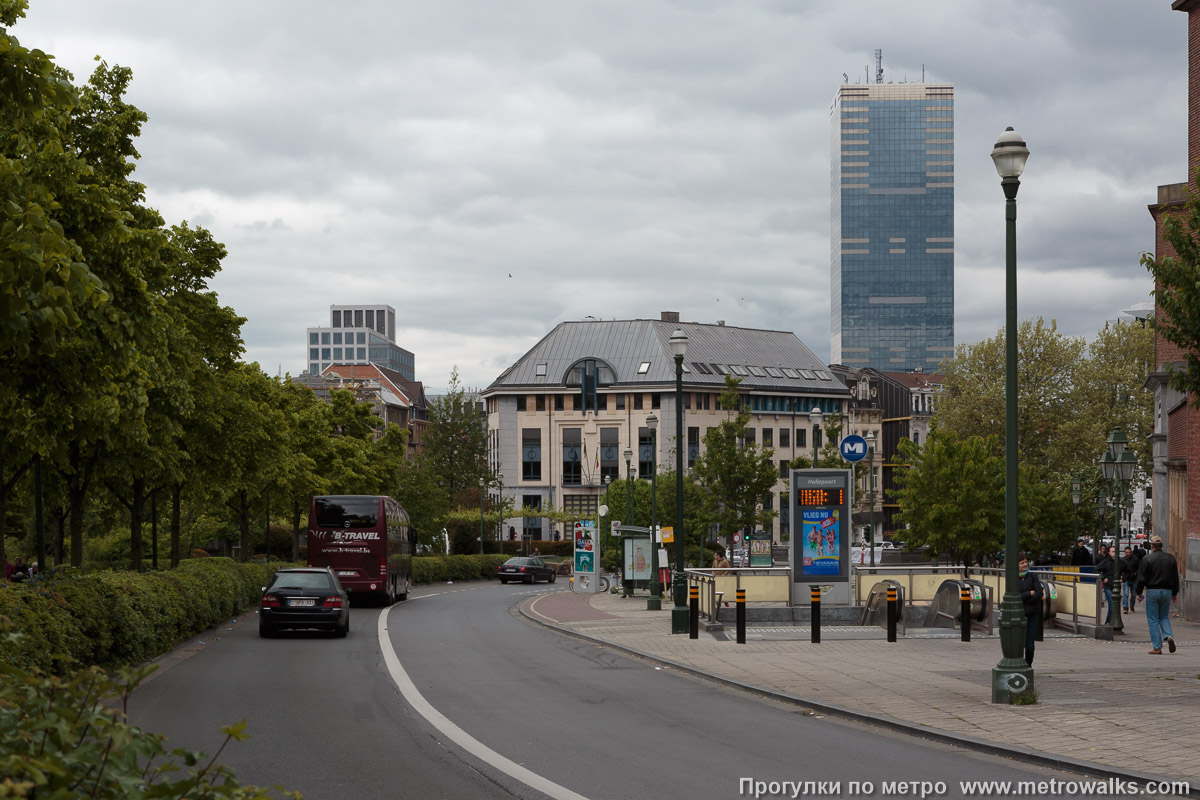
[[1105, 571], [1158, 578], [1129, 565], [1031, 597], [1081, 556]]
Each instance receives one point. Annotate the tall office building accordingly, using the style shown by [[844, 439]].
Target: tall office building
[[359, 335], [893, 225]]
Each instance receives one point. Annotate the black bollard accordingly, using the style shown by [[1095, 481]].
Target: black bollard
[[966, 614], [741, 616], [694, 616], [816, 614], [1037, 636], [891, 614]]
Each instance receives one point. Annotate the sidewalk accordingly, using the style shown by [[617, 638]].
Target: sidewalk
[[1106, 708]]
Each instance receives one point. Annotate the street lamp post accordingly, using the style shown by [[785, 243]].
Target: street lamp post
[[1011, 676], [654, 602], [1076, 496], [1117, 464], [625, 579], [679, 612], [815, 416], [1147, 518], [870, 437], [481, 485]]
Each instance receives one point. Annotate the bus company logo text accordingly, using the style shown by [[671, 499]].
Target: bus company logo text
[[347, 536]]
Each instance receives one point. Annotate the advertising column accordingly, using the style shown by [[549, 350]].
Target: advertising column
[[821, 528], [587, 556]]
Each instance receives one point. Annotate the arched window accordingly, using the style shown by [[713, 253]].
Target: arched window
[[589, 375]]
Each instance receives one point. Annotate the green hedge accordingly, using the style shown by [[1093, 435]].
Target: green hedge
[[439, 569], [111, 619]]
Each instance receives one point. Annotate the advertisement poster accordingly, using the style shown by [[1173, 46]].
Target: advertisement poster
[[822, 541], [585, 546], [637, 559]]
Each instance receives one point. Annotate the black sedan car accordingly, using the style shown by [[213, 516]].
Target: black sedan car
[[304, 597], [525, 568]]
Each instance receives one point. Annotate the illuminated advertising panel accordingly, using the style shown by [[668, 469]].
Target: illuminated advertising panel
[[821, 526]]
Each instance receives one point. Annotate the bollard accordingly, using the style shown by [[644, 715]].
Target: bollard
[[891, 614], [1037, 636], [966, 614], [694, 616], [741, 616], [816, 615]]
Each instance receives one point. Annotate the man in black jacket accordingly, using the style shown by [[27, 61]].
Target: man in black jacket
[[1080, 556], [1129, 565], [1158, 577], [1104, 579], [1031, 599]]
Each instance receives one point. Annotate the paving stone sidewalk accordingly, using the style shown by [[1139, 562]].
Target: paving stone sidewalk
[[1107, 704]]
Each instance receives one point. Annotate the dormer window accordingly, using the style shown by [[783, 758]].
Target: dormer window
[[643, 368], [540, 370]]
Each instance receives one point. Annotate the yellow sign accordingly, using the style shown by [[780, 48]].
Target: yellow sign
[[668, 534]]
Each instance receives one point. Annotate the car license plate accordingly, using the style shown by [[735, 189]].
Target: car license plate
[[346, 573], [302, 601]]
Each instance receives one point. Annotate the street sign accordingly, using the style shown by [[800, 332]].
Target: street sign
[[737, 537], [668, 534], [616, 525], [854, 448]]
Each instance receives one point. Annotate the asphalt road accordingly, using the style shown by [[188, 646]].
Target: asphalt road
[[326, 717]]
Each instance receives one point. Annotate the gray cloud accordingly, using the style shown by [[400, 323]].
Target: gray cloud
[[620, 158]]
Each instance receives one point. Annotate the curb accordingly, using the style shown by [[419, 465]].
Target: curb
[[1037, 757]]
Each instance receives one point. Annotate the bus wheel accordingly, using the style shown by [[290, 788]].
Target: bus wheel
[[390, 597]]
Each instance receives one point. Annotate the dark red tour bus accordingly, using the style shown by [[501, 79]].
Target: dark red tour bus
[[366, 540]]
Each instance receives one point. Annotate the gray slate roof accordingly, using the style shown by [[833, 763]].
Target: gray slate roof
[[625, 344]]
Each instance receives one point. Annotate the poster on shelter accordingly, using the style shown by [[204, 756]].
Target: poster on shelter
[[822, 541]]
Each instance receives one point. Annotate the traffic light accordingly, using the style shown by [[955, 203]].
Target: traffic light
[[870, 534]]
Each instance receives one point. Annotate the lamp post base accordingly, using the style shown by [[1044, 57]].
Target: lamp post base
[[654, 601], [1012, 676], [679, 619]]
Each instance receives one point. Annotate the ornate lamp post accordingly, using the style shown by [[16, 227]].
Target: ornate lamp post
[[815, 416], [1011, 675], [870, 437], [654, 602], [679, 612], [1147, 518], [1076, 496], [625, 579], [1117, 464]]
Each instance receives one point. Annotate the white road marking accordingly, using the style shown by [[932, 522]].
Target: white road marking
[[456, 734]]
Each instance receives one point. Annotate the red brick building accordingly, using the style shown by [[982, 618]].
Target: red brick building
[[1175, 490]]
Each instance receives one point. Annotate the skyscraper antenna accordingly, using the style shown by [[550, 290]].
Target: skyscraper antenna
[[879, 66]]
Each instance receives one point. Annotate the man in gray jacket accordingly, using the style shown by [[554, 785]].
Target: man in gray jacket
[[1158, 577]]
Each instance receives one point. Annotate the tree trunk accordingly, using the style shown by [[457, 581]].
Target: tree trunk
[[75, 493], [297, 512], [136, 500], [176, 493], [60, 534], [244, 522]]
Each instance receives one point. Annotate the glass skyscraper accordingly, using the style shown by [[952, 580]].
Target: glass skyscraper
[[893, 225]]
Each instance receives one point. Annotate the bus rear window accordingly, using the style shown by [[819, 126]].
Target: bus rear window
[[347, 512]]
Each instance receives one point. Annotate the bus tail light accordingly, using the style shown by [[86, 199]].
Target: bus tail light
[[383, 567]]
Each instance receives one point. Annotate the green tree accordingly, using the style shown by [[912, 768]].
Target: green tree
[[456, 444], [738, 475]]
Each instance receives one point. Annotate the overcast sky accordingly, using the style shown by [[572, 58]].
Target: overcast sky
[[620, 158]]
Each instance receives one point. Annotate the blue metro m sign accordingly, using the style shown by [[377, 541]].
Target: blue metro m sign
[[854, 448]]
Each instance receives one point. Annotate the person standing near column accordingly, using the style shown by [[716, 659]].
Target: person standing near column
[[1129, 575], [1031, 598], [1158, 576]]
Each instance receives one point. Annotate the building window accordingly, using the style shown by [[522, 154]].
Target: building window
[[533, 525], [540, 402], [325, 351], [558, 402], [687, 400], [540, 370], [337, 337], [785, 436], [521, 400], [580, 506], [783, 468], [314, 352], [610, 446], [324, 337], [917, 438], [336, 319], [801, 437], [362, 338], [313, 338], [358, 318], [371, 318], [693, 446], [314, 368], [337, 354], [620, 401], [531, 454], [768, 437], [750, 435], [637, 402], [589, 375], [572, 470], [645, 454], [656, 400], [769, 503], [362, 354]]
